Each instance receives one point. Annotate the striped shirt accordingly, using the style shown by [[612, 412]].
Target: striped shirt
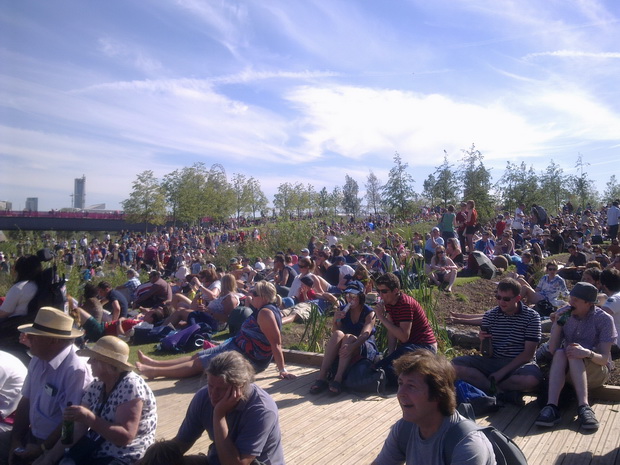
[[510, 332], [408, 309]]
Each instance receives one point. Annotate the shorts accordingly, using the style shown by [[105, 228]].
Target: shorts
[[488, 366], [596, 375], [470, 230]]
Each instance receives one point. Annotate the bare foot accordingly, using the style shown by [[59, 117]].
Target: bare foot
[[146, 370], [143, 358]]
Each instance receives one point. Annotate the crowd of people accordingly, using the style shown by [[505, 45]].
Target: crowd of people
[[359, 285]]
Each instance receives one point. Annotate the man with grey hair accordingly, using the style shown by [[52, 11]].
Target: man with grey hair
[[240, 418]]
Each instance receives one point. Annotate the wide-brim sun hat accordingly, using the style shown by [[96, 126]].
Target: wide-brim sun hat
[[111, 350], [51, 322]]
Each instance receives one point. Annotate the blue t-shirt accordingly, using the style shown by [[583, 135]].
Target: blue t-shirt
[[253, 426]]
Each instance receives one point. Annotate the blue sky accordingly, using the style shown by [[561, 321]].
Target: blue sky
[[300, 91]]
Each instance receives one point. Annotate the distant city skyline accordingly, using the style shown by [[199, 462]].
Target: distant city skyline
[[300, 91]]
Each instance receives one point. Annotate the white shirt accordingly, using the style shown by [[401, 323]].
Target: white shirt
[[18, 297], [12, 375]]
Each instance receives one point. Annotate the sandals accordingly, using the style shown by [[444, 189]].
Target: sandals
[[319, 386], [335, 388]]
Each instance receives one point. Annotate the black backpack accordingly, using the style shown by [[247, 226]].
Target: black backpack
[[506, 450]]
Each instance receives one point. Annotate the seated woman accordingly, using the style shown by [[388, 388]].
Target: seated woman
[[119, 407], [352, 338], [550, 287], [27, 269], [505, 245], [258, 340], [443, 270], [217, 312], [453, 251], [307, 268], [207, 286]]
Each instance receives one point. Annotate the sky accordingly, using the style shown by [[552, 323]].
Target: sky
[[300, 91]]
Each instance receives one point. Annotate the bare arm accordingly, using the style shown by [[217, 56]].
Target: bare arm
[[269, 327]]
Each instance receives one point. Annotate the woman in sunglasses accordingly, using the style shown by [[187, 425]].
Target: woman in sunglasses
[[352, 338], [259, 340]]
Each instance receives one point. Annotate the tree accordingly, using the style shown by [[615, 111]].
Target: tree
[[553, 184], [335, 199], [258, 200], [582, 185], [429, 188], [147, 201], [283, 200], [242, 193], [612, 190], [446, 182], [518, 185], [373, 193], [398, 191], [350, 201], [323, 201], [476, 182], [218, 195]]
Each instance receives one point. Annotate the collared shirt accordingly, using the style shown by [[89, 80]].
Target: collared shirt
[[510, 332], [51, 385], [597, 327]]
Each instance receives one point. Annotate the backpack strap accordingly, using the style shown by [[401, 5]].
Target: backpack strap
[[454, 435]]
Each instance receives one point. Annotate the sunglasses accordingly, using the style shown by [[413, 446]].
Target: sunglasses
[[303, 266], [505, 299], [552, 269], [254, 294], [383, 291], [440, 252]]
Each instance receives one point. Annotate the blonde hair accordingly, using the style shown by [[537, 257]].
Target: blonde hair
[[229, 284]]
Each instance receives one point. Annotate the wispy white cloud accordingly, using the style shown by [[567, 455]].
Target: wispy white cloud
[[573, 54], [129, 55]]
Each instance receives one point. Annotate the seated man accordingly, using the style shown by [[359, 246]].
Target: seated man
[[428, 400], [56, 376], [156, 294], [581, 340], [406, 323], [575, 264], [514, 330], [113, 301], [486, 245], [240, 418]]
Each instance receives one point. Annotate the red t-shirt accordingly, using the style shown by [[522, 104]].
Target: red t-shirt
[[408, 309]]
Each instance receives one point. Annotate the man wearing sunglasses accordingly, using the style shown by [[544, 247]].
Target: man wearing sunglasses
[[515, 332], [405, 320]]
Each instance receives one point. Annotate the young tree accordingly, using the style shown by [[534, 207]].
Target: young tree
[[398, 191], [218, 195], [257, 199], [147, 201], [429, 188], [283, 200], [323, 201], [373, 193], [476, 182], [518, 184], [612, 190], [242, 193], [446, 182], [554, 184], [350, 201], [335, 199], [582, 185]]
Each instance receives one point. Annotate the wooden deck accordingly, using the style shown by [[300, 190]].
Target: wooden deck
[[350, 430]]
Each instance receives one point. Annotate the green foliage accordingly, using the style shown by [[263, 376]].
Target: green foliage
[[476, 182], [612, 190], [147, 202], [350, 201], [519, 184], [373, 193], [317, 331], [582, 186], [553, 184], [398, 192], [443, 184]]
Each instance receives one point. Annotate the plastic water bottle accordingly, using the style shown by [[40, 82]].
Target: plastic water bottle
[[66, 460]]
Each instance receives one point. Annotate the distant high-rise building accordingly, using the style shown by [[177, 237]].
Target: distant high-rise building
[[32, 204], [6, 205], [79, 193]]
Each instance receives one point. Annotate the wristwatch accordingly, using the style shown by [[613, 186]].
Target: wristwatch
[[589, 357]]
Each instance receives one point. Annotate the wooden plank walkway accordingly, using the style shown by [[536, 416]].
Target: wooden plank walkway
[[351, 430]]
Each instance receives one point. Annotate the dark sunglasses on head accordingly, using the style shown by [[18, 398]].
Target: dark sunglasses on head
[[505, 299], [383, 291]]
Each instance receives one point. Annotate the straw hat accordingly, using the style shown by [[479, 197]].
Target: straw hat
[[51, 322], [111, 350]]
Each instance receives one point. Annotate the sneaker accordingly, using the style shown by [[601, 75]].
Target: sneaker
[[549, 416], [587, 418], [511, 397]]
